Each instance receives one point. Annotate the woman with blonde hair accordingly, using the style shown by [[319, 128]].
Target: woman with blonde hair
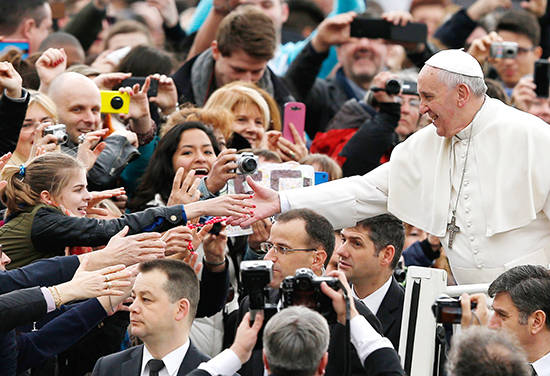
[[251, 111], [41, 113]]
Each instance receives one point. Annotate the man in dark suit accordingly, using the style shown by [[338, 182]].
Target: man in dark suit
[[302, 238], [166, 294], [296, 342], [369, 254]]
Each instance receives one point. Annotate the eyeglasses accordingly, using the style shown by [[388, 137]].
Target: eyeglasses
[[30, 126], [412, 102], [266, 247], [522, 51]]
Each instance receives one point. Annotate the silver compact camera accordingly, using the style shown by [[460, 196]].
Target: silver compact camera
[[59, 131], [504, 50], [247, 164]]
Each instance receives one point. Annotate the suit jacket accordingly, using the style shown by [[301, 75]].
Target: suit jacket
[[128, 362], [391, 312], [21, 307], [46, 272]]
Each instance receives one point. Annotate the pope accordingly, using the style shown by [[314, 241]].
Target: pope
[[476, 177]]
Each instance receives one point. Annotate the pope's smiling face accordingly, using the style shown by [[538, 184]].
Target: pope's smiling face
[[439, 102]]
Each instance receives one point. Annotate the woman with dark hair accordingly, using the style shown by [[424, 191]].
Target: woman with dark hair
[[144, 60], [191, 146]]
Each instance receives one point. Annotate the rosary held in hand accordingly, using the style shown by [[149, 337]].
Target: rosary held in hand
[[212, 220]]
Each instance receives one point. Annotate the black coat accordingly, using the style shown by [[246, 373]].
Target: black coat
[[391, 311], [255, 367], [128, 362]]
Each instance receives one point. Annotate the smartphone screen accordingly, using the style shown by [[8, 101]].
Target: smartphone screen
[[295, 113], [131, 81], [21, 44], [541, 78], [374, 28]]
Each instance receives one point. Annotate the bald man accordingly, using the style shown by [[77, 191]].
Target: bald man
[[78, 102]]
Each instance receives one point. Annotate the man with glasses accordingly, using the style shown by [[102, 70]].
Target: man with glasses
[[299, 239], [523, 28], [302, 238]]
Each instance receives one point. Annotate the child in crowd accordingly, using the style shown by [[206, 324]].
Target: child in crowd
[[47, 203]]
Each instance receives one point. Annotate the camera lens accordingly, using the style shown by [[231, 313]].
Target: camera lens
[[117, 103], [393, 86], [63, 138], [303, 284], [249, 165]]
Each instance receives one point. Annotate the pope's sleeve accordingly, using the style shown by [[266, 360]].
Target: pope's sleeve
[[344, 202]]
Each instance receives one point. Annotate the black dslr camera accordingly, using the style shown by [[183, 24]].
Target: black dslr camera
[[256, 276], [304, 288], [448, 310]]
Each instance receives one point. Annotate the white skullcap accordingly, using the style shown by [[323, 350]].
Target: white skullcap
[[456, 61]]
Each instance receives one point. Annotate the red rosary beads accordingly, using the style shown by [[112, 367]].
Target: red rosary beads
[[212, 220]]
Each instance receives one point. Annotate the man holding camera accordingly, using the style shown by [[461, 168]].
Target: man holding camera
[[296, 341], [302, 239], [511, 63], [522, 308], [78, 101]]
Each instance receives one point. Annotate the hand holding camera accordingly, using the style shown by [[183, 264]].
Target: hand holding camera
[[138, 108], [468, 310], [304, 288], [166, 96], [338, 301], [222, 170], [481, 47], [481, 312], [385, 86], [524, 94]]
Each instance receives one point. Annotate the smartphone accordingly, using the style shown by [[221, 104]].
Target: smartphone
[[295, 113], [374, 28], [542, 78], [114, 102], [321, 177], [21, 44], [153, 87]]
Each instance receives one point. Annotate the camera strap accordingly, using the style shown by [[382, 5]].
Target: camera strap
[[347, 345]]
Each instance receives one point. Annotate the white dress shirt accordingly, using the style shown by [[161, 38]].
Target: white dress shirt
[[374, 300], [542, 366], [172, 361]]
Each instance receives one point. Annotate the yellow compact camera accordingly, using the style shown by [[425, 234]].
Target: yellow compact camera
[[115, 102]]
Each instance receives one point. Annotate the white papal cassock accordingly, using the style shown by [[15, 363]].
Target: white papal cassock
[[503, 205]]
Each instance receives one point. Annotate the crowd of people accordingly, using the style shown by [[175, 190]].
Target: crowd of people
[[124, 123]]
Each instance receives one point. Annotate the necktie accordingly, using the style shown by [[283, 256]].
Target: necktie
[[155, 366], [533, 372]]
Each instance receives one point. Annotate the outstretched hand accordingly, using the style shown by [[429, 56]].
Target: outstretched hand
[[265, 201]]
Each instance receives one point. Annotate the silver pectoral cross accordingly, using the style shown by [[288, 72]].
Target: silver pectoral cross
[[453, 230]]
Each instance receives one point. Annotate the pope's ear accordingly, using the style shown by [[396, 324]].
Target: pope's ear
[[463, 94]]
